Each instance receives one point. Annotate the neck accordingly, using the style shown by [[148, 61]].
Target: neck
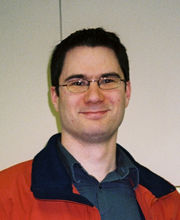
[[98, 159]]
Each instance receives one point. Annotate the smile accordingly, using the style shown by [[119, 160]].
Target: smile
[[98, 114]]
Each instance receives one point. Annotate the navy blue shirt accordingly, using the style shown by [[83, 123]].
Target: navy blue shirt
[[114, 196]]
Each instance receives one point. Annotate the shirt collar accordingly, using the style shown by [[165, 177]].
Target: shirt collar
[[126, 167], [68, 161]]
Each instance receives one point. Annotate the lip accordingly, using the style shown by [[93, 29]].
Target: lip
[[98, 114]]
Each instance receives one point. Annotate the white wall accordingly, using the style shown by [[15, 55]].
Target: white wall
[[149, 29], [151, 32], [29, 31]]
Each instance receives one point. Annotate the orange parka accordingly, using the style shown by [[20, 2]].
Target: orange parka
[[40, 189]]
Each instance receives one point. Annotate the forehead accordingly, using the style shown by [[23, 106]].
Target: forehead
[[90, 61]]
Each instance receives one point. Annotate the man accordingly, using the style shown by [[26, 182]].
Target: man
[[82, 173]]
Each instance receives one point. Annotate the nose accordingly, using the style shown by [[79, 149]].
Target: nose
[[94, 94]]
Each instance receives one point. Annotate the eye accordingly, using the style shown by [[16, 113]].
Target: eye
[[108, 80], [78, 82]]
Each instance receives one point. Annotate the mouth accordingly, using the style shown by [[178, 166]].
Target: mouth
[[97, 114]]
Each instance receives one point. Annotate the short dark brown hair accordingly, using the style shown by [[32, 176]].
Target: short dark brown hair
[[87, 37]]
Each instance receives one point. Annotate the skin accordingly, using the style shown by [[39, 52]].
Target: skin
[[90, 120]]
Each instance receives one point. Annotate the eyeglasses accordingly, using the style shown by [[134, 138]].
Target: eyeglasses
[[79, 85]]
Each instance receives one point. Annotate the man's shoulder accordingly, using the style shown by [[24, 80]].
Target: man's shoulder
[[16, 173], [156, 184]]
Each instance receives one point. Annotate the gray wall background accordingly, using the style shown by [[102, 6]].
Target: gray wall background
[[149, 29]]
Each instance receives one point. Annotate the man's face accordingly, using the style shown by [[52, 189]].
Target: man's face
[[96, 114]]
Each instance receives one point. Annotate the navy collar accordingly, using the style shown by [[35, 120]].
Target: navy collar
[[157, 185], [50, 179]]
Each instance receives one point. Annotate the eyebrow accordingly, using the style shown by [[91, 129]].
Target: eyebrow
[[110, 74], [79, 76], [82, 76]]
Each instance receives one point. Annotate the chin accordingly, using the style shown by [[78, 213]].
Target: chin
[[96, 137]]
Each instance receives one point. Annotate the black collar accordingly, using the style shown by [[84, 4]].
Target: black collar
[[50, 179]]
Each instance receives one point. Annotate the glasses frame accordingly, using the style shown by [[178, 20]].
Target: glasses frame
[[94, 80]]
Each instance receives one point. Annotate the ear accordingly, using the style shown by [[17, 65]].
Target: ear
[[128, 92], [54, 98]]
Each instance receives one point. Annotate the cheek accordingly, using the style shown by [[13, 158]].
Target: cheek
[[116, 99], [118, 102], [69, 103]]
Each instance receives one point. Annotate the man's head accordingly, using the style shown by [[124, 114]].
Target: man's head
[[90, 85], [91, 38]]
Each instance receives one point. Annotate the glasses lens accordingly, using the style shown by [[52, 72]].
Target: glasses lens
[[109, 82], [77, 86]]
